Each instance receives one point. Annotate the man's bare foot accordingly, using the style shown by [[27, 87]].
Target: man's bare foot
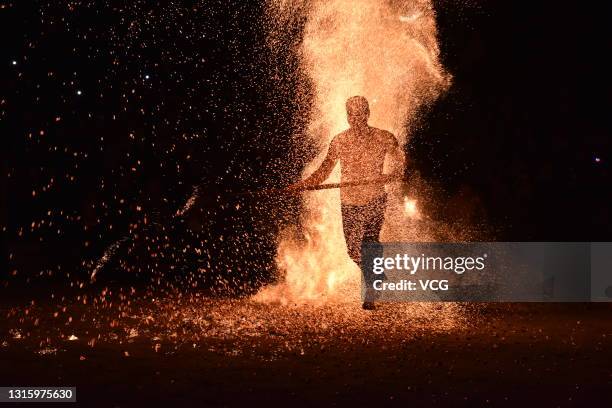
[[368, 306]]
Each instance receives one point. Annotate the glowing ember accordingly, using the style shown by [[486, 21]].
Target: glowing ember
[[410, 208], [189, 203], [231, 327], [108, 254]]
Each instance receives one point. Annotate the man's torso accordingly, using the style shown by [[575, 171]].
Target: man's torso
[[362, 157]]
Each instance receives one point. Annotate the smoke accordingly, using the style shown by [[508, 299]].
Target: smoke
[[386, 51]]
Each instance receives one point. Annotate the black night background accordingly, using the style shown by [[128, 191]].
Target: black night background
[[114, 111]]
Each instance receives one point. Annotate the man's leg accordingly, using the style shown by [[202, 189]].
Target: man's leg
[[374, 214], [352, 226], [363, 224], [374, 217]]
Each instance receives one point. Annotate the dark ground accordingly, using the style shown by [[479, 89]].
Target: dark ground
[[549, 355]]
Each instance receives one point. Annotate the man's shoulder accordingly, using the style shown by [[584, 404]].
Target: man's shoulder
[[340, 137], [343, 134], [385, 136]]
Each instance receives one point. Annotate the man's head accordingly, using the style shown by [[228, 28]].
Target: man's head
[[357, 111]]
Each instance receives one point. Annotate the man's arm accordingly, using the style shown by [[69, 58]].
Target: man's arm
[[323, 172], [396, 157]]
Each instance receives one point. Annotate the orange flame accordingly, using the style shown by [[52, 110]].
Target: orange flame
[[386, 51], [411, 209]]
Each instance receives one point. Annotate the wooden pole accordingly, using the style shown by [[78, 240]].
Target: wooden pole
[[327, 186]]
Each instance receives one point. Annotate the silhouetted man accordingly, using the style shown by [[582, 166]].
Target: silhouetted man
[[361, 150]]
